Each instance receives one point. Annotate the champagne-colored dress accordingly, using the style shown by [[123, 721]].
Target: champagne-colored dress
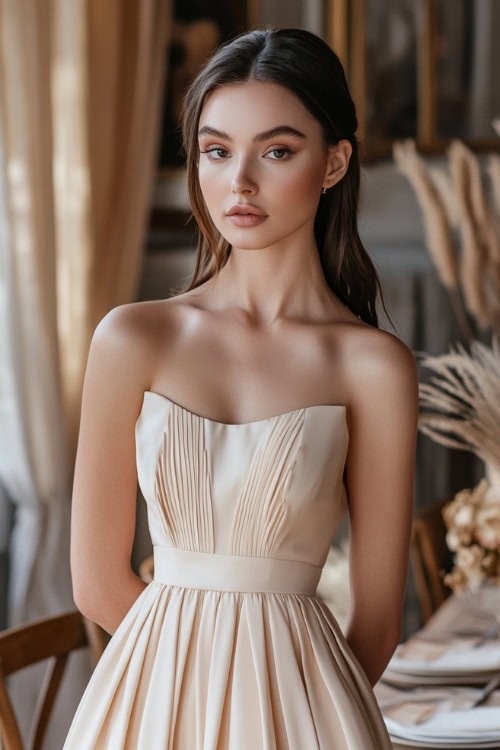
[[228, 647]]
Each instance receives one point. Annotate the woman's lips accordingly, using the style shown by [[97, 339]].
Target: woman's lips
[[246, 220]]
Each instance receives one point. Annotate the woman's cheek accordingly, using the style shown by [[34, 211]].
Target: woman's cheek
[[212, 195], [300, 196]]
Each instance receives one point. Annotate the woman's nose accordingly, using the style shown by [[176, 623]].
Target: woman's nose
[[242, 178]]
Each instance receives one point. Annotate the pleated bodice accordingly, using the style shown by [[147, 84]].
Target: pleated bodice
[[269, 488]]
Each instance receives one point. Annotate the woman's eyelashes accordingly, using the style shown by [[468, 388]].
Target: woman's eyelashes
[[284, 149]]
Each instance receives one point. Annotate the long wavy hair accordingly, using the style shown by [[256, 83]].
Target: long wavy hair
[[304, 64]]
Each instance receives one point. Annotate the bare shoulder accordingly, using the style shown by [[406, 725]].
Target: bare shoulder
[[123, 339], [377, 364], [131, 339], [380, 352], [122, 353], [128, 322], [136, 328]]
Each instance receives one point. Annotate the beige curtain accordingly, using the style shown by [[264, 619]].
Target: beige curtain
[[81, 89]]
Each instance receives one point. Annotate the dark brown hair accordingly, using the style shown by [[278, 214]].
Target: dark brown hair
[[304, 64]]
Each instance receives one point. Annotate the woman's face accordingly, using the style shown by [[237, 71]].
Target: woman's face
[[282, 173]]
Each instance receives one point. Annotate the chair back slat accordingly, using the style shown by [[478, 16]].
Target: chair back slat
[[48, 694], [430, 558], [36, 641], [9, 729]]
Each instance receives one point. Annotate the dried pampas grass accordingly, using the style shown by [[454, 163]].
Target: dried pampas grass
[[480, 262], [456, 199], [434, 208], [466, 390]]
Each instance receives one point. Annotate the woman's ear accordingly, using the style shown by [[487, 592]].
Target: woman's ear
[[337, 162]]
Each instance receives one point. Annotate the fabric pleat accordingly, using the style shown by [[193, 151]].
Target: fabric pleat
[[183, 487], [260, 507]]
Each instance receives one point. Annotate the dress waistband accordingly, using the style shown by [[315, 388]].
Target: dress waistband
[[214, 571]]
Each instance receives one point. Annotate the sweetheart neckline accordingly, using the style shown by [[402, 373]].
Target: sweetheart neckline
[[245, 424]]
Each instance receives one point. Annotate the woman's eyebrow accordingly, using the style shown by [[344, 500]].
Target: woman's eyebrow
[[264, 136]]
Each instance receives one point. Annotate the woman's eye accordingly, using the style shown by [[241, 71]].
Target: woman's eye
[[282, 149], [213, 158]]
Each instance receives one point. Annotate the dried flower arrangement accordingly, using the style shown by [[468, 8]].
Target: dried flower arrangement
[[473, 522], [466, 387]]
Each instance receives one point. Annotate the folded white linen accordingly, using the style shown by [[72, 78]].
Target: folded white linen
[[402, 742], [482, 722], [439, 714], [395, 702], [401, 679], [456, 656]]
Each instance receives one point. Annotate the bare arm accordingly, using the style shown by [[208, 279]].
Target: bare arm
[[104, 496], [380, 474]]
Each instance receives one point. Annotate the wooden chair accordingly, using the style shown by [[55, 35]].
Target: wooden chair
[[430, 557], [51, 638], [54, 638]]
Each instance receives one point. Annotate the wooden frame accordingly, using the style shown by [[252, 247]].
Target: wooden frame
[[350, 46]]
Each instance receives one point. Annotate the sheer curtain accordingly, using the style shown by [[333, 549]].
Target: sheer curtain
[[81, 87]]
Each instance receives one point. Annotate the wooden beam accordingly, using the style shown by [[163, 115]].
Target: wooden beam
[[427, 74], [253, 14], [358, 63], [337, 30]]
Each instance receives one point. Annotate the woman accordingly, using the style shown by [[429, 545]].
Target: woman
[[255, 408]]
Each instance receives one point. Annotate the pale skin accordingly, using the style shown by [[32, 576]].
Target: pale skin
[[265, 337]]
